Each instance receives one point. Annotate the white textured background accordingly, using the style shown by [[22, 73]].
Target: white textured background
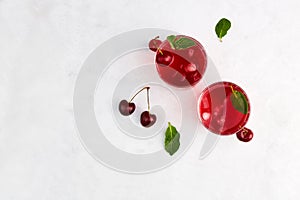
[[42, 46]]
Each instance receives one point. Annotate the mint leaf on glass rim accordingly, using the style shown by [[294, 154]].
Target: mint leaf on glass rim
[[171, 40], [222, 27], [180, 43], [172, 138], [239, 101], [184, 43]]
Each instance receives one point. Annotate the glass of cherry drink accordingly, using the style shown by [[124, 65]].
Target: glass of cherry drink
[[183, 66], [224, 109]]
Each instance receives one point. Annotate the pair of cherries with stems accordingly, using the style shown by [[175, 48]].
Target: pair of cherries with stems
[[127, 108]]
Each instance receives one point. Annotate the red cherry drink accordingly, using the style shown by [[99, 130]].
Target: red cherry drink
[[217, 111], [181, 67]]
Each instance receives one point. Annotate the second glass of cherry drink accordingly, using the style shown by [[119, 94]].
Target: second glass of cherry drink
[[224, 109]]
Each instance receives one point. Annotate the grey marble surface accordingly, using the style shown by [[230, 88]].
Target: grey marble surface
[[43, 44]]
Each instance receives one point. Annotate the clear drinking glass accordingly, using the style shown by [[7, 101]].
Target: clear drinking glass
[[217, 111]]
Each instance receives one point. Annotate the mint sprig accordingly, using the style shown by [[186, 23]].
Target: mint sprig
[[180, 43], [239, 101], [222, 27], [172, 138], [171, 40]]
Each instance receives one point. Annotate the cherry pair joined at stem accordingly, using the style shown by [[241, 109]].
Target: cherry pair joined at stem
[[127, 108]]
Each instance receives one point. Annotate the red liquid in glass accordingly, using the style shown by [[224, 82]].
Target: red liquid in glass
[[216, 111], [181, 68]]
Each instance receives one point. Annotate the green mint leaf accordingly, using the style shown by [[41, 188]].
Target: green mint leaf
[[171, 40], [222, 27], [184, 43], [239, 101], [172, 137], [181, 43]]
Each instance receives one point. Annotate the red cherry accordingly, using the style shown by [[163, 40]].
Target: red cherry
[[147, 119], [190, 68], [126, 108], [154, 44], [245, 135], [193, 77], [164, 58]]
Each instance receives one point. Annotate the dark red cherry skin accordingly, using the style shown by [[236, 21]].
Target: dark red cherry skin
[[193, 77], [147, 119], [154, 44], [126, 108], [244, 135], [164, 58]]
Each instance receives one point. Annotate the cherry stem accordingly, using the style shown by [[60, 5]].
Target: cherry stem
[[233, 91], [158, 49], [147, 87], [148, 101], [244, 132]]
